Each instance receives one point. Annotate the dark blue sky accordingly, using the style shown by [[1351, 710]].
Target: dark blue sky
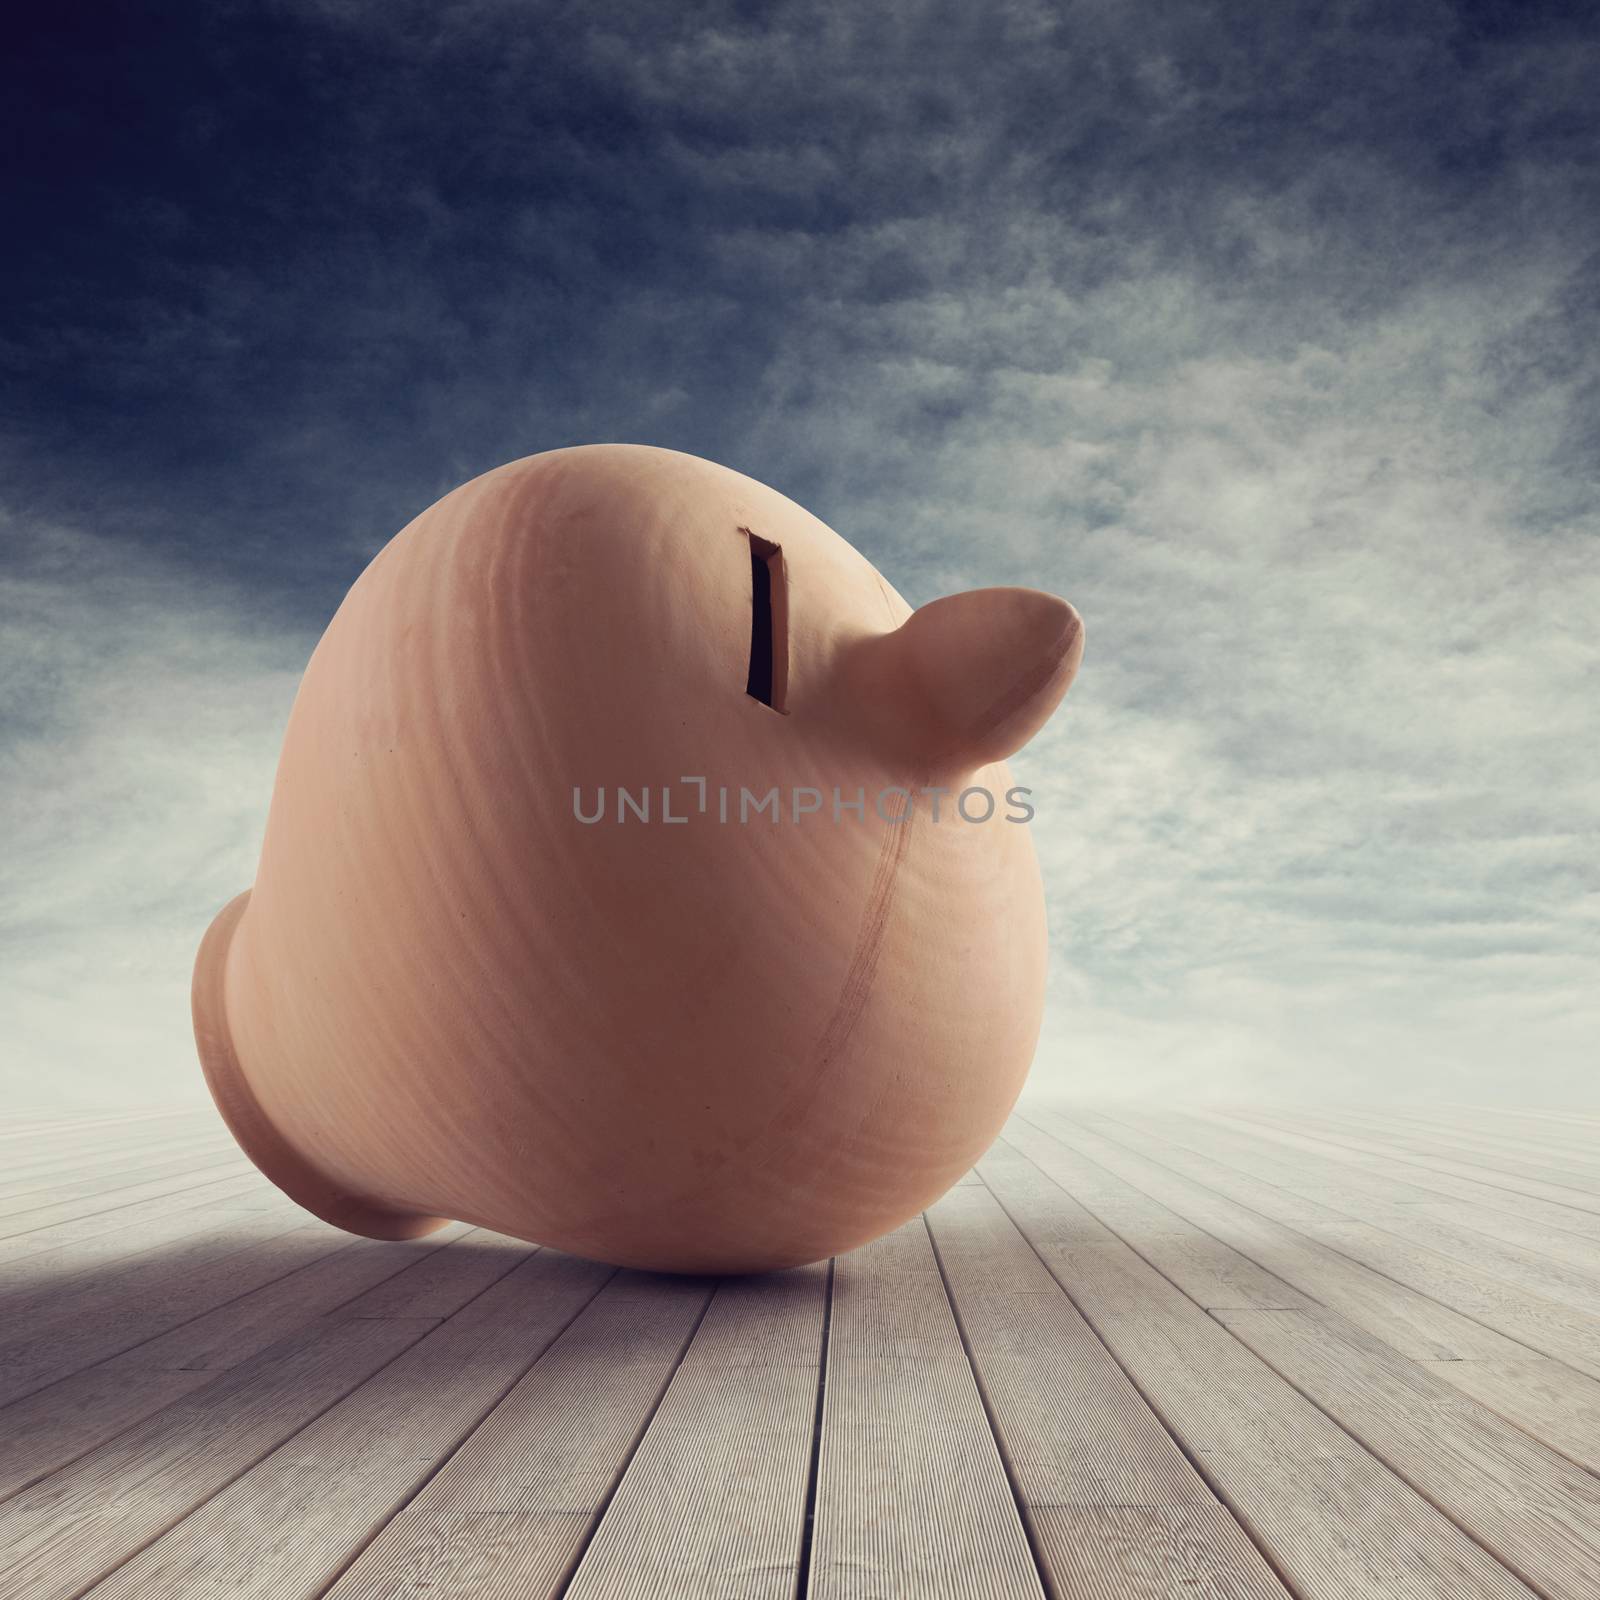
[[281, 274], [1266, 333]]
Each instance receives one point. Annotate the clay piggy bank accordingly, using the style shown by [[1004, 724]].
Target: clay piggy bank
[[627, 885]]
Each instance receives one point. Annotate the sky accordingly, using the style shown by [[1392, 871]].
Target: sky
[[1267, 335]]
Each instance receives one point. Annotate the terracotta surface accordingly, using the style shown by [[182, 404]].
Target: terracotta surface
[[689, 1046]]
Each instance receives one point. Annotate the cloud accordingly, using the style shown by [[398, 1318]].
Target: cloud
[[143, 710], [1330, 795], [1270, 341]]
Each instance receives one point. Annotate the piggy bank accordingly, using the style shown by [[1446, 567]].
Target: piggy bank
[[642, 878]]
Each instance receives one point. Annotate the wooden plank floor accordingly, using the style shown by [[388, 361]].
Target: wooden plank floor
[[1252, 1352]]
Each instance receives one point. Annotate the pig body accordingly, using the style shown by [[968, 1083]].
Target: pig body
[[706, 1041]]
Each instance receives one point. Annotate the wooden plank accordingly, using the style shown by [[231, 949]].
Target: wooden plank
[[157, 1301], [1148, 1458], [1547, 1285], [1540, 1113], [55, 1425], [1353, 1184], [355, 1275], [1571, 1124], [1412, 1323], [1313, 1185], [1577, 1142], [117, 1136], [904, 1426], [114, 1198], [89, 1243], [1472, 1224], [1487, 1142], [36, 1310], [70, 1528], [1514, 1183], [1557, 1268], [1454, 1226], [1545, 1326], [1296, 1151], [1350, 1181], [1557, 1406], [291, 1523], [83, 1181], [1335, 1521], [1113, 1506], [66, 1166], [1544, 1397], [509, 1514], [1534, 1510], [733, 1436], [1487, 1150], [81, 1127], [1492, 1155], [52, 1427], [1205, 1267], [1485, 1198]]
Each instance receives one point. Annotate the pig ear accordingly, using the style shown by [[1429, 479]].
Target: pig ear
[[971, 678]]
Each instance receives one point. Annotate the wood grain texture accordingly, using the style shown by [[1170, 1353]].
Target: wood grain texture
[[82, 1293], [451, 994], [1490, 1206], [92, 1242], [1533, 1509], [1410, 1322], [25, 1212], [55, 1425], [511, 1511], [72, 1527], [1494, 1149], [734, 1432], [1284, 1188], [24, 1176], [1239, 1353], [1569, 1140], [1114, 1506], [79, 1142], [291, 1523], [1334, 1519], [111, 1319], [1358, 1180], [1485, 1198], [1528, 1180], [903, 1426], [1549, 1399]]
